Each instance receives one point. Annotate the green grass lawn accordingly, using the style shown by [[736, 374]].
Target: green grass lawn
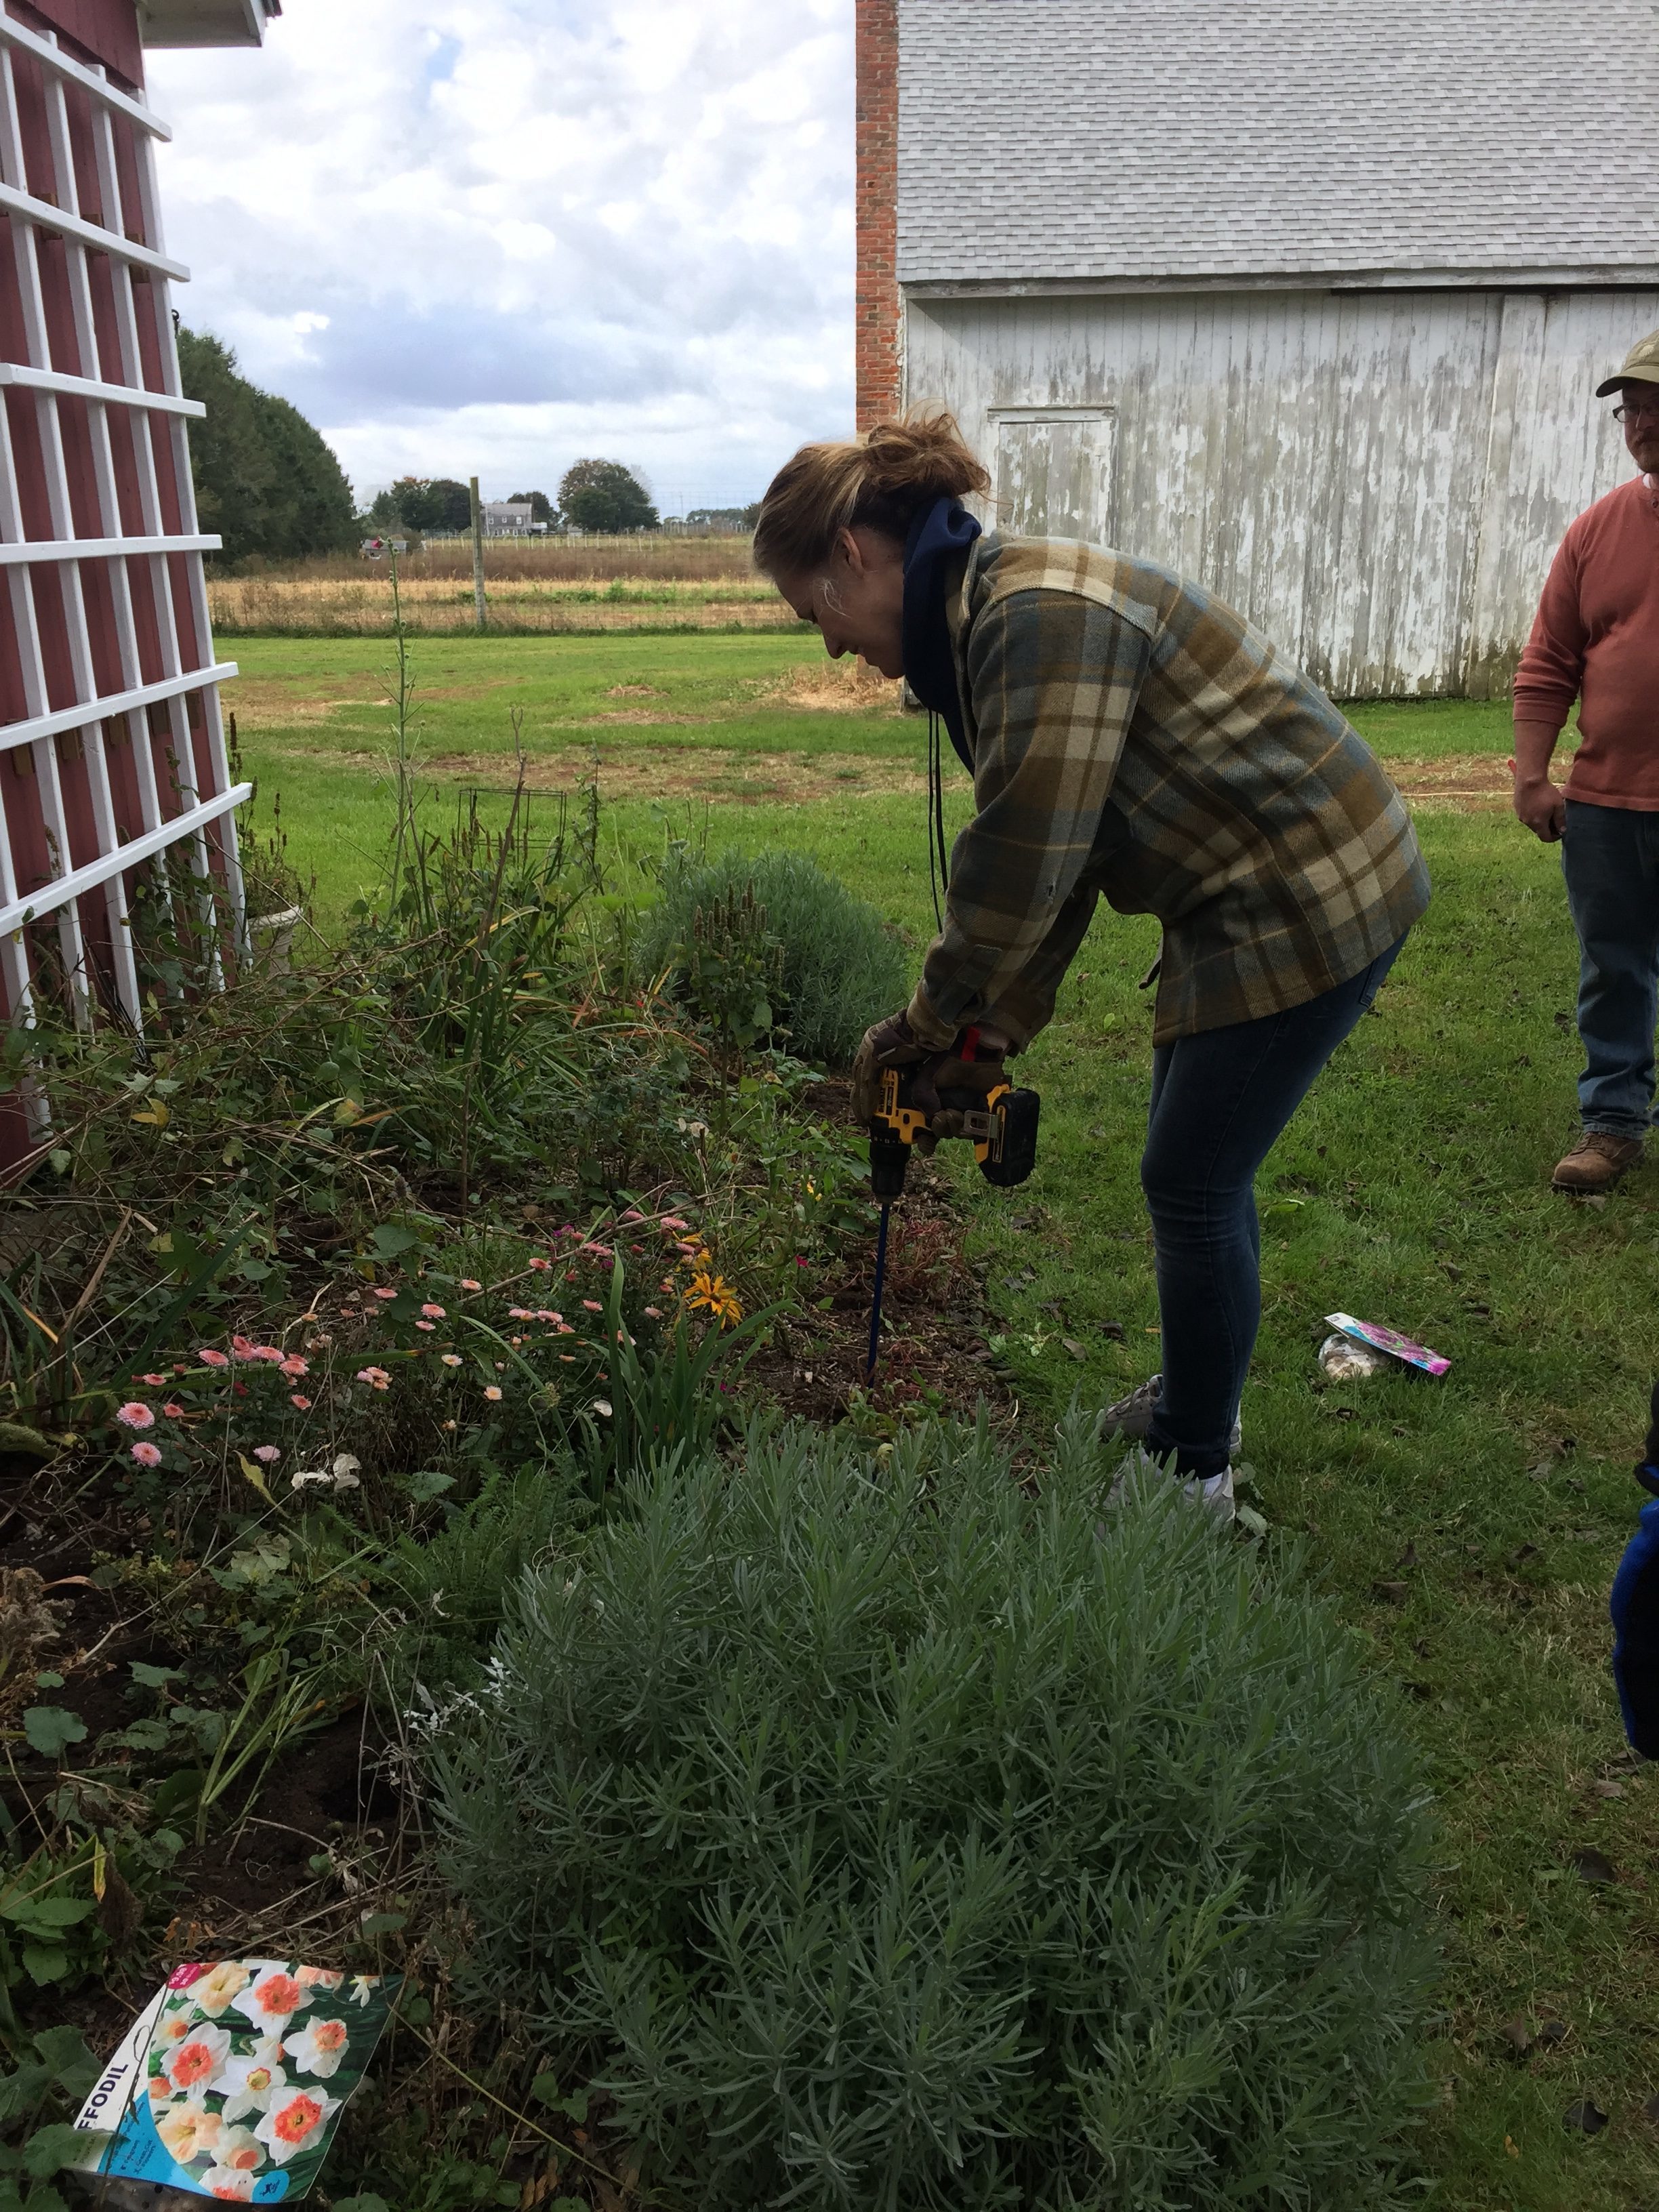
[[1470, 1527]]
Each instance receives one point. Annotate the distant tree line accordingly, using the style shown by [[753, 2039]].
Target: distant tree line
[[600, 496], [269, 485], [266, 481]]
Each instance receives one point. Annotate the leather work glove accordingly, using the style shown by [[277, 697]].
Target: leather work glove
[[954, 1075], [887, 1044], [954, 1072]]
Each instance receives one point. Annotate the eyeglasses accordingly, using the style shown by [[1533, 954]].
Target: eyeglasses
[[1637, 409]]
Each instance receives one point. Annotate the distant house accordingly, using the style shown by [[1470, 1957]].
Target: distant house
[[109, 700], [1307, 300], [507, 517]]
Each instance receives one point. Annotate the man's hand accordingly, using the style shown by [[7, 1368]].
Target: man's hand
[[1540, 805], [1537, 802], [889, 1044]]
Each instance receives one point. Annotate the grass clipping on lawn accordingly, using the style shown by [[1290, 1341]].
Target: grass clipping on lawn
[[882, 1835]]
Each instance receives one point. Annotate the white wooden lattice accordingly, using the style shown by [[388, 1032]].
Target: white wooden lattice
[[94, 281]]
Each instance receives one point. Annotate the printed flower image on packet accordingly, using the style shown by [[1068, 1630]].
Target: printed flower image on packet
[[231, 2081]]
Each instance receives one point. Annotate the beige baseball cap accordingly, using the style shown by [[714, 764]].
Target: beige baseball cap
[[1641, 365]]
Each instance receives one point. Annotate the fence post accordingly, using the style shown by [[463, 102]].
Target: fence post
[[477, 553]]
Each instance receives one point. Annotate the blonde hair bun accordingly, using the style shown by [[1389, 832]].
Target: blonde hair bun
[[881, 480]]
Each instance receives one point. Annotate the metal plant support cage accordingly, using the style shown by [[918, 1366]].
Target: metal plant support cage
[[112, 744]]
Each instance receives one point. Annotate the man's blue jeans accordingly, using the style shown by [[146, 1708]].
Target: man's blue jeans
[[1219, 1101], [1610, 858]]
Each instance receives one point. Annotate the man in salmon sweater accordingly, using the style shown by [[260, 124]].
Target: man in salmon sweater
[[1596, 640]]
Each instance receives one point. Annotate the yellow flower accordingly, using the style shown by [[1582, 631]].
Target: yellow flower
[[715, 1292], [216, 1988]]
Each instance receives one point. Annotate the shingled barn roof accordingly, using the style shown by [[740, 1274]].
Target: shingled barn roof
[[1147, 139]]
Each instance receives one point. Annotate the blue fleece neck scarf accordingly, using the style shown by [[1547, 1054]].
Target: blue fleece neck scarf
[[938, 538]]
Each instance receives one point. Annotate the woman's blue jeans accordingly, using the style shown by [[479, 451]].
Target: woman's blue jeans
[[1610, 858], [1219, 1101]]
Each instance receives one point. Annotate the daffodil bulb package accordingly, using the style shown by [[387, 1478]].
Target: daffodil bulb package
[[231, 2081]]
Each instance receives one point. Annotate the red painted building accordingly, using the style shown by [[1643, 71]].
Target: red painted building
[[111, 746]]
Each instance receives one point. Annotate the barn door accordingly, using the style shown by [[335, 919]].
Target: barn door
[[1055, 472]]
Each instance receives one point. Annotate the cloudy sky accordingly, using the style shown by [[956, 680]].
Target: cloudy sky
[[496, 235]]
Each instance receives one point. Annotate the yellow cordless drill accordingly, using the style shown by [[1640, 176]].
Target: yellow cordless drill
[[999, 1121]]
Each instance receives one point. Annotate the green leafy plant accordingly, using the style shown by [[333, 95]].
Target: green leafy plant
[[277, 1708], [673, 1400], [880, 1834], [38, 2139], [838, 969]]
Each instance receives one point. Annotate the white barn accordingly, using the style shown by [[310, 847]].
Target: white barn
[[1307, 299]]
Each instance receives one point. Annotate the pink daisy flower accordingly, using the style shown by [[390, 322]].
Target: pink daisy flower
[[592, 1305], [210, 1357], [434, 1313], [467, 1283], [376, 1378], [148, 1455], [385, 1294], [155, 1382], [135, 1414], [300, 1403], [173, 1409], [540, 1266], [428, 1326], [654, 1313], [267, 1455], [493, 1391], [450, 1358], [294, 1367]]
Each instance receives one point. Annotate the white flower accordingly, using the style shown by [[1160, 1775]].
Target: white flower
[[230, 2185], [319, 2048], [295, 2122], [193, 2063], [274, 1999], [249, 2083], [237, 2155], [602, 1406], [343, 1474], [364, 1987]]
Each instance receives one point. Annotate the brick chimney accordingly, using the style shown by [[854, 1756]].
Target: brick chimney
[[877, 49]]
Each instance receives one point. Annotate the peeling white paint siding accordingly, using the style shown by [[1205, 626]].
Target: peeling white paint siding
[[1378, 479]]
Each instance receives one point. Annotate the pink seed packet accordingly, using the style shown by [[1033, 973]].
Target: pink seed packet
[[1391, 1342]]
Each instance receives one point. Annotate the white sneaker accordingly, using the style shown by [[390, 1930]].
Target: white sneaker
[[1132, 1417], [1213, 1492], [1216, 1495]]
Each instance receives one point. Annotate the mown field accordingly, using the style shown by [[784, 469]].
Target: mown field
[[1471, 1528], [654, 584]]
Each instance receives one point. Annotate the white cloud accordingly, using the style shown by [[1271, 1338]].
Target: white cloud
[[493, 235]]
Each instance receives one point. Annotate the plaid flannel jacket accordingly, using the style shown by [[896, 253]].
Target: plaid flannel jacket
[[1135, 739]]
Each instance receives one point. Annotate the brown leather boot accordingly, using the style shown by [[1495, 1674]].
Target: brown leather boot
[[1597, 1162]]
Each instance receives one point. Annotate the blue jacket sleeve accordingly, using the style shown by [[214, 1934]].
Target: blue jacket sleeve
[[1635, 1610]]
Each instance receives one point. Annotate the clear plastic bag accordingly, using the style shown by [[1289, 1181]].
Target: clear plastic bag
[[1344, 1361]]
